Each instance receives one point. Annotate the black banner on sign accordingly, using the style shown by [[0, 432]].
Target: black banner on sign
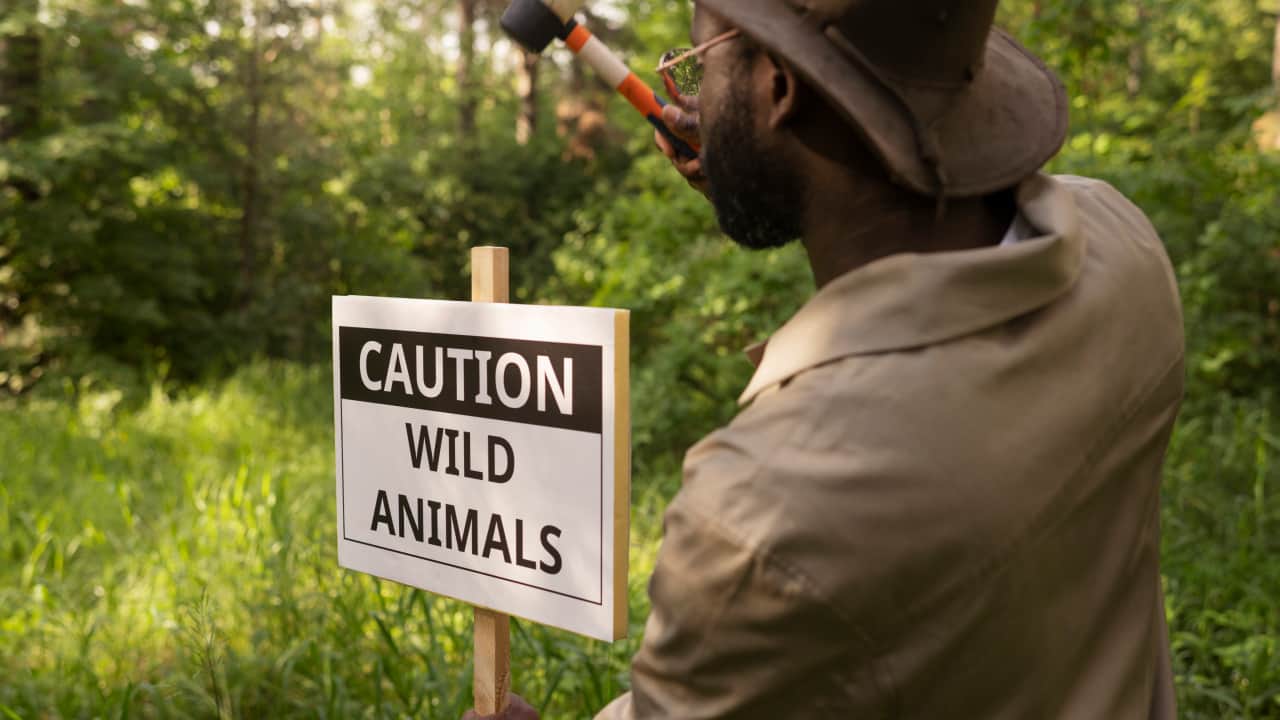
[[556, 385]]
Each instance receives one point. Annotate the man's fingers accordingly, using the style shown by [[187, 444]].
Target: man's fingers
[[683, 124], [522, 710], [689, 103], [691, 171], [690, 168], [517, 709], [664, 145]]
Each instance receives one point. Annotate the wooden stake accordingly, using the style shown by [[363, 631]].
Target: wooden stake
[[493, 661], [490, 269]]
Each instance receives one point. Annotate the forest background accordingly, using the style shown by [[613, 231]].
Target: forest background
[[185, 183]]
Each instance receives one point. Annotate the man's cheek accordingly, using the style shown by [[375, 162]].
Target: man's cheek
[[709, 112], [704, 129]]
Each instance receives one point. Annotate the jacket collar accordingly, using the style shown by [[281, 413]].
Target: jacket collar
[[914, 300]]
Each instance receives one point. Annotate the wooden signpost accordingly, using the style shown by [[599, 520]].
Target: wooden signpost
[[483, 453], [491, 283]]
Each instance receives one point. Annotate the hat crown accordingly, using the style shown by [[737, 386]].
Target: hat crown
[[950, 106], [935, 43]]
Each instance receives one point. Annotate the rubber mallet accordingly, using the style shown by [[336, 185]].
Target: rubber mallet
[[536, 23]]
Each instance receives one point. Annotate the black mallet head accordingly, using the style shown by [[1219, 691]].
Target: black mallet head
[[532, 24]]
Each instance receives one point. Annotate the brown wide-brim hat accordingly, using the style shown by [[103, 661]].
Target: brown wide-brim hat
[[955, 139]]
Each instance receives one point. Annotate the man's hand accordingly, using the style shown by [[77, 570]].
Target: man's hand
[[682, 118], [517, 709]]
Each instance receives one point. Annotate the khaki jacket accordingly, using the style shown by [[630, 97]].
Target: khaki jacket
[[942, 497]]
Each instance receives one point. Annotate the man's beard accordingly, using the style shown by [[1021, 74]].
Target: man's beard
[[757, 197]]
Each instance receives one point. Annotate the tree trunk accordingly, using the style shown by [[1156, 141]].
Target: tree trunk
[[20, 75], [1138, 54], [466, 68], [20, 85], [527, 86], [250, 171], [1275, 61]]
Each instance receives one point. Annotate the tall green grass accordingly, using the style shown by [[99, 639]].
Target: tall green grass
[[1221, 558], [175, 557]]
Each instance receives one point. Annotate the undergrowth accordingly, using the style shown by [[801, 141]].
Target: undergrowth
[[174, 556]]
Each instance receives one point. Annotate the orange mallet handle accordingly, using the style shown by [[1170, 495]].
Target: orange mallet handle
[[615, 72]]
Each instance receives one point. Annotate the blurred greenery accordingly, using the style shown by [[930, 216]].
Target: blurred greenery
[[185, 183]]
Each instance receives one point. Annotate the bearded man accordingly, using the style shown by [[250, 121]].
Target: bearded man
[[941, 497]]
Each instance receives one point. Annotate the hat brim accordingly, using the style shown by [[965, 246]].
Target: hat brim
[[995, 133]]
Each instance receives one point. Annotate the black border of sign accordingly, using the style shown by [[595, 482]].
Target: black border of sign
[[343, 471]]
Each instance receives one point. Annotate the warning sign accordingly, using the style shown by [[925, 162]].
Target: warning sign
[[483, 453]]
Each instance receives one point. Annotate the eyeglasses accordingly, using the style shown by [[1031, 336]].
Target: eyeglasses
[[681, 69]]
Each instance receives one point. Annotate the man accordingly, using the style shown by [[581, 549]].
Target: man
[[941, 499]]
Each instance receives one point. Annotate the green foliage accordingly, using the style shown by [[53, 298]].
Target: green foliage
[[176, 560], [1221, 529], [1232, 285], [1173, 129]]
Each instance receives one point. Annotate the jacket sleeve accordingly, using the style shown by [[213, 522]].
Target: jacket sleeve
[[733, 634]]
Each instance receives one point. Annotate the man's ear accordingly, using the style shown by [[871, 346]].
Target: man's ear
[[784, 92]]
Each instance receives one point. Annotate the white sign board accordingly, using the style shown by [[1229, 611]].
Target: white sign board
[[483, 452]]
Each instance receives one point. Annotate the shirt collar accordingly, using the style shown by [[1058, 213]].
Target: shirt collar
[[1019, 230], [914, 300]]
